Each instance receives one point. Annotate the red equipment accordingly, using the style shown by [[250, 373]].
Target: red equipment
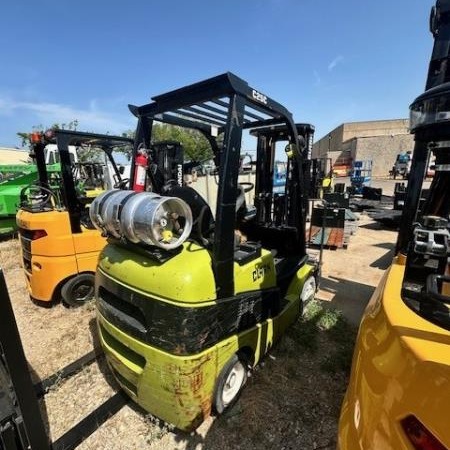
[[140, 171]]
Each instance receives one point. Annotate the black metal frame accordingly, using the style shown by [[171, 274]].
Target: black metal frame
[[63, 139], [21, 424], [169, 158], [223, 104], [318, 174], [425, 264], [437, 80], [297, 177], [27, 419]]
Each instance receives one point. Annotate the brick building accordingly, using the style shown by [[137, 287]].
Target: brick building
[[377, 140]]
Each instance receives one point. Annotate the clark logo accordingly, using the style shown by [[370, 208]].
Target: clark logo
[[260, 271], [259, 97]]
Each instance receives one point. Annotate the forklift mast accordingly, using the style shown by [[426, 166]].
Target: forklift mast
[[63, 139], [167, 158], [321, 169], [439, 71], [224, 105], [431, 130], [279, 208], [424, 230]]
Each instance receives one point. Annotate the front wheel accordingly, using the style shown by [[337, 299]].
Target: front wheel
[[230, 382], [78, 290]]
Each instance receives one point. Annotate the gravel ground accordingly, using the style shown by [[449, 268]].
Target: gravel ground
[[291, 401]]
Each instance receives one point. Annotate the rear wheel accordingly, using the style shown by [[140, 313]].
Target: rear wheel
[[230, 382], [78, 290]]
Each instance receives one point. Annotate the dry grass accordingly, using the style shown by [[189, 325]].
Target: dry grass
[[52, 337]]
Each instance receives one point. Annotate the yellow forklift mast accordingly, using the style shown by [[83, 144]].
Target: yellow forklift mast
[[189, 300], [399, 391], [59, 245]]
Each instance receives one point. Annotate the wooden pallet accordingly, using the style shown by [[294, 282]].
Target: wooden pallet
[[332, 237]]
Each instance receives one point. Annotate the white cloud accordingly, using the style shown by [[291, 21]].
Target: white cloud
[[90, 119], [335, 62]]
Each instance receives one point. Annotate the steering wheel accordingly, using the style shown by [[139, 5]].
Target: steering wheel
[[243, 188], [121, 184]]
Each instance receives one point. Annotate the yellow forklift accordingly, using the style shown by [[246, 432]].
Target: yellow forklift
[[59, 245], [188, 301], [322, 177], [399, 391]]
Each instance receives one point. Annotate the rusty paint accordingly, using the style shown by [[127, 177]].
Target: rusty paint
[[196, 381], [206, 407]]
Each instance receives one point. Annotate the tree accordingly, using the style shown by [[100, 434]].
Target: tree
[[196, 146], [85, 153]]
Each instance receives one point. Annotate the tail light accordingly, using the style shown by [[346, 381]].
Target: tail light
[[32, 235], [420, 437], [38, 234], [35, 137]]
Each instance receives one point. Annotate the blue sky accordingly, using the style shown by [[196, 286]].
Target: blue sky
[[327, 61]]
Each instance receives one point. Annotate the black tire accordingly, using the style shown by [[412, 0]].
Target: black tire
[[78, 290], [236, 367]]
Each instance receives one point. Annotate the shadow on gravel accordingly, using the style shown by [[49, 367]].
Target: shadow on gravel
[[385, 245], [350, 297], [383, 262], [41, 401], [8, 236], [372, 226]]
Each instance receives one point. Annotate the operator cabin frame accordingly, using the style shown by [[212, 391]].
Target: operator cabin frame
[[63, 139], [227, 104]]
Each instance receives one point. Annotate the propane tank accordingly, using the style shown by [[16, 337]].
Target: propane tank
[[143, 217], [154, 220], [105, 211], [140, 163]]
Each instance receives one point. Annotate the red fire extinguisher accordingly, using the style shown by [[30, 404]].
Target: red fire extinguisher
[[140, 170]]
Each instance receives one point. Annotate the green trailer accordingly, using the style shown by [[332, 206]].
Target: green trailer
[[14, 178]]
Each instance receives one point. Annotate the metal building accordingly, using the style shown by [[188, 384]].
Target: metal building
[[377, 140]]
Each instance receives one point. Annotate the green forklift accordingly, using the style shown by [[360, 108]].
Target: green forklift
[[189, 300]]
